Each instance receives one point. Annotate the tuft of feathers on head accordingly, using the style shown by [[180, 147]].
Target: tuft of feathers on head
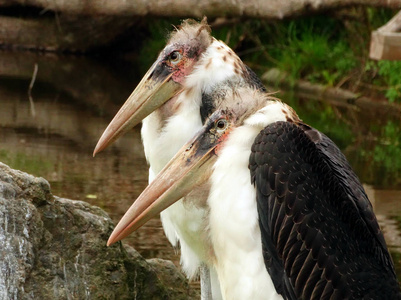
[[191, 29]]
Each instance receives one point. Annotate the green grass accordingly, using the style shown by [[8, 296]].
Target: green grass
[[316, 58], [313, 48]]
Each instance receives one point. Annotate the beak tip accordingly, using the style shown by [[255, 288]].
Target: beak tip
[[115, 236], [99, 147], [111, 241]]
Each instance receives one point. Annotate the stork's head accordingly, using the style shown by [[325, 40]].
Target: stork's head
[[163, 81], [184, 48], [193, 164]]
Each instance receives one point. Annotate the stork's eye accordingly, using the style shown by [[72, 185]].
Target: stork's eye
[[175, 57], [221, 125]]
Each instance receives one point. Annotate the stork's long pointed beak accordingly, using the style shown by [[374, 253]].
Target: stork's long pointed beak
[[154, 89], [190, 167]]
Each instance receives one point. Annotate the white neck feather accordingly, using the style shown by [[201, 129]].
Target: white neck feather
[[234, 226], [216, 65]]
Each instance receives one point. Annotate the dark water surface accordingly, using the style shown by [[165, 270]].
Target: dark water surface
[[74, 98]]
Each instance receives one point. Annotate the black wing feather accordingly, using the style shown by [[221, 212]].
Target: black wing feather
[[316, 221]]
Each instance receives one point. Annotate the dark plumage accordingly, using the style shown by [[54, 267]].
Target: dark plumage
[[316, 219]]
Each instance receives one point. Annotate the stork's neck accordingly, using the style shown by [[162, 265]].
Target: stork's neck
[[234, 227], [218, 64]]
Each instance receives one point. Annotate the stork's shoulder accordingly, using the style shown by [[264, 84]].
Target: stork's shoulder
[[316, 216]]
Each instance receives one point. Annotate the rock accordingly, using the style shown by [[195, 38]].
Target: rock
[[170, 276], [55, 248]]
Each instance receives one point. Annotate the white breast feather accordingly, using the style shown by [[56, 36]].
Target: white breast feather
[[234, 226]]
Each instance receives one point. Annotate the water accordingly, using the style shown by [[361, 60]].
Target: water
[[74, 98]]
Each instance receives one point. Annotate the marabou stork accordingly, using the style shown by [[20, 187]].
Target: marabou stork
[[283, 202], [172, 98]]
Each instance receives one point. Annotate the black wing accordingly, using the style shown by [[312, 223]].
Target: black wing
[[319, 233]]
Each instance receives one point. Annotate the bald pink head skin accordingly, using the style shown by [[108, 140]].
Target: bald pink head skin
[[184, 48], [184, 64]]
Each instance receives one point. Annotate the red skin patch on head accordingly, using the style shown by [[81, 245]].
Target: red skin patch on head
[[222, 139], [183, 69]]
